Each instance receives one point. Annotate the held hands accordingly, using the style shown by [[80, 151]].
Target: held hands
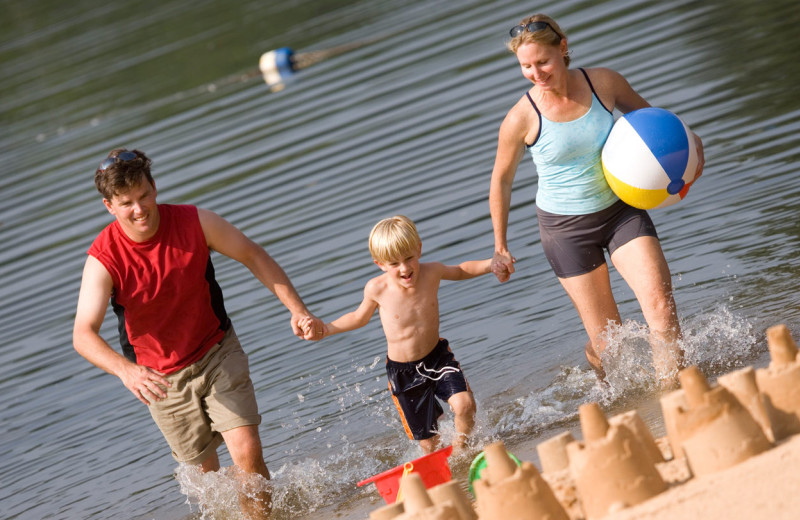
[[145, 383], [310, 328], [503, 265]]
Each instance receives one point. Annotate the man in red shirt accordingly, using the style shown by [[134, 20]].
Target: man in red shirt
[[180, 355]]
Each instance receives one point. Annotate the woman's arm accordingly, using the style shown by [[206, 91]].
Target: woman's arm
[[614, 90], [510, 149], [612, 85]]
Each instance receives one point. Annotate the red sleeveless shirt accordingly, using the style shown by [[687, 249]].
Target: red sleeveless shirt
[[165, 296]]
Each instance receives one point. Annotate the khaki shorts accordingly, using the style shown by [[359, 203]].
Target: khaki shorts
[[206, 398]]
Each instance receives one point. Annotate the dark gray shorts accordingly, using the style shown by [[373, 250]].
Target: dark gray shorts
[[573, 244]]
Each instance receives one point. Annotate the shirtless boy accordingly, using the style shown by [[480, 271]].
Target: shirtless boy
[[420, 364]]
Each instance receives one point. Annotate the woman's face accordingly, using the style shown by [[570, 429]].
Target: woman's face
[[542, 64]]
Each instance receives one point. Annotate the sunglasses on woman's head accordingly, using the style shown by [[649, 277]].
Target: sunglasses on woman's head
[[122, 157], [531, 27]]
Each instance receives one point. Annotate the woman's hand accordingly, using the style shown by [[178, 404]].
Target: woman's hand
[[701, 159], [503, 265]]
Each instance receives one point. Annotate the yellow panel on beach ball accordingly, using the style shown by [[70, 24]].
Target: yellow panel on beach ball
[[649, 158], [637, 197]]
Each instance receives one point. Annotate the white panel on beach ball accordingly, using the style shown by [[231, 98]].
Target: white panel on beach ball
[[649, 158]]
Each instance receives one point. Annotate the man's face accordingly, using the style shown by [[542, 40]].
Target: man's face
[[136, 211]]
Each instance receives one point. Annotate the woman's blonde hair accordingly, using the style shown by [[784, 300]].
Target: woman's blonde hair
[[549, 36], [393, 239]]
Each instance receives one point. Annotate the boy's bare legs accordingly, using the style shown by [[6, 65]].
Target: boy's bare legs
[[429, 445], [244, 445], [463, 406]]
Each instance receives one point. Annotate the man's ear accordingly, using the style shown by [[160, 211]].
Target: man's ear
[[381, 265], [107, 204]]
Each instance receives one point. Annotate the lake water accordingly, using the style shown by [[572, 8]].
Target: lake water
[[407, 123]]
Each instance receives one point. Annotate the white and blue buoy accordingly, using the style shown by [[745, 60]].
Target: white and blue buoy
[[277, 66]]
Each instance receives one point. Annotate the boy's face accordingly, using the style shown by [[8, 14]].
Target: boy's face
[[403, 271], [136, 211]]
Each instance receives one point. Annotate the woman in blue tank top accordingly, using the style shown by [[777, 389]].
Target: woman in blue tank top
[[563, 121]]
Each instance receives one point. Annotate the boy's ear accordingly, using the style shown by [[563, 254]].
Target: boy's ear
[[381, 265]]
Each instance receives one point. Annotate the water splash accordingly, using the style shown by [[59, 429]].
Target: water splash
[[555, 404], [716, 342], [219, 494], [720, 341]]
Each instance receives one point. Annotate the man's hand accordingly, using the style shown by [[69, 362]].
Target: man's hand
[[308, 327], [145, 383]]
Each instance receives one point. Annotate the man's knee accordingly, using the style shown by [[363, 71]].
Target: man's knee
[[244, 445]]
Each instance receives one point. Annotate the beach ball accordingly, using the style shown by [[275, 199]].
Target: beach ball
[[649, 158]]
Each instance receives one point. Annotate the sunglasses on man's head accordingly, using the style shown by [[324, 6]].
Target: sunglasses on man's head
[[531, 27], [122, 157]]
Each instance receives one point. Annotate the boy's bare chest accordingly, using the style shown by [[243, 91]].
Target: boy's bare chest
[[409, 307]]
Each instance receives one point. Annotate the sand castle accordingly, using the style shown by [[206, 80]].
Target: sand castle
[[511, 491], [611, 467], [618, 463], [716, 431]]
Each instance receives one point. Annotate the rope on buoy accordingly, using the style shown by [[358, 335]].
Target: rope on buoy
[[278, 65]]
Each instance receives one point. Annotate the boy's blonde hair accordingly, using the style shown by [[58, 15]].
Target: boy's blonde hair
[[393, 239]]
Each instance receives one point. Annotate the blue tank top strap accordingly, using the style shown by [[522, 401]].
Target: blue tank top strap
[[594, 92], [539, 114], [567, 155]]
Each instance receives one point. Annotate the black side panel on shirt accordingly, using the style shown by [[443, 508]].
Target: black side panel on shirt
[[124, 341], [217, 302]]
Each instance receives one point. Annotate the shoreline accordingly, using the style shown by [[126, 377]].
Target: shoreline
[[738, 452]]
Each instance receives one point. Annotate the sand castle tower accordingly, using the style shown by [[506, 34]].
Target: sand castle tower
[[553, 452], [742, 384], [418, 505], [715, 430], [452, 492], [672, 404], [611, 468], [387, 512], [507, 491], [633, 421], [779, 383]]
